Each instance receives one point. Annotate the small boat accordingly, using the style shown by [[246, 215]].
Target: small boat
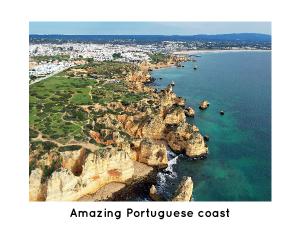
[[173, 83], [195, 67]]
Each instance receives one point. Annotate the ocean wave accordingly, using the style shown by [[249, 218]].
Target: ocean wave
[[166, 177]]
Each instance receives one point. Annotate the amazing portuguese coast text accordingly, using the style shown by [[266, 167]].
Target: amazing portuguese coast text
[[148, 213]]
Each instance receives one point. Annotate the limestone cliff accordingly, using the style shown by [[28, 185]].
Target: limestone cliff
[[36, 188], [153, 153], [184, 138], [109, 165], [189, 112], [175, 116], [184, 191]]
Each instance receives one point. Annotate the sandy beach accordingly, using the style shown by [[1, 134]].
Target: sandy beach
[[193, 52]]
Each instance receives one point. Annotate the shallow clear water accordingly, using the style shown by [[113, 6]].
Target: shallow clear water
[[238, 167]]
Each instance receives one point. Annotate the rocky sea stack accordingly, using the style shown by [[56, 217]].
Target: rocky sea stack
[[204, 105], [154, 194]]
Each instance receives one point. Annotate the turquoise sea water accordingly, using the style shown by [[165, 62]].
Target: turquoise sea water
[[238, 167]]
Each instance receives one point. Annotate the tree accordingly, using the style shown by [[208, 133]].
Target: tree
[[90, 59], [117, 55]]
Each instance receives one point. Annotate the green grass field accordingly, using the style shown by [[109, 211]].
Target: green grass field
[[55, 104], [159, 57]]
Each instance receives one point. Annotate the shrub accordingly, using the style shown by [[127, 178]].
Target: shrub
[[32, 166], [33, 133], [48, 170], [69, 148]]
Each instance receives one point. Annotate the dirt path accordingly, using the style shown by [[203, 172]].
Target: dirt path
[[86, 145]]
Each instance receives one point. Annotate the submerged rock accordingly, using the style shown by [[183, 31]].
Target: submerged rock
[[184, 191]]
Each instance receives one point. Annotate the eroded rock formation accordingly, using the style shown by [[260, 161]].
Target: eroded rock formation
[[154, 194], [184, 139], [189, 112], [108, 165], [204, 104], [175, 116], [184, 191], [153, 153], [36, 188]]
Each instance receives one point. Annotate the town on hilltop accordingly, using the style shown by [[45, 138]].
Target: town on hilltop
[[49, 56]]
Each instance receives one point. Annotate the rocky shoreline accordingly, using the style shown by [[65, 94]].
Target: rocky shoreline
[[135, 152]]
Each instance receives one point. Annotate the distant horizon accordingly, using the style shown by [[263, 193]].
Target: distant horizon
[[148, 28], [230, 33]]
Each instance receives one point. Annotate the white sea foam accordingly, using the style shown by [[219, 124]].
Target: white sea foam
[[170, 169], [165, 178]]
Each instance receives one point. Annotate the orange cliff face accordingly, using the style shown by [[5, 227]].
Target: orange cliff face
[[173, 60]]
